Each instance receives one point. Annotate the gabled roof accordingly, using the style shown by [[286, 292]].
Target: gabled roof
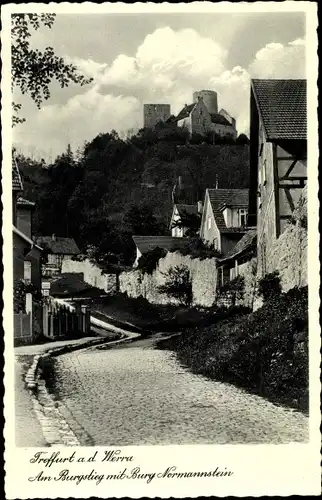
[[185, 112], [147, 243], [282, 107], [59, 245], [16, 178], [220, 119], [219, 198], [246, 242], [22, 202]]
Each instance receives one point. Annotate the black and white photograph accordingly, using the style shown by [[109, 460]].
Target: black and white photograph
[[160, 241]]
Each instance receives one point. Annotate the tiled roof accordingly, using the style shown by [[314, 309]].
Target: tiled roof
[[185, 112], [282, 106], [22, 202], [217, 118], [63, 246], [219, 198], [16, 178], [147, 243], [243, 244]]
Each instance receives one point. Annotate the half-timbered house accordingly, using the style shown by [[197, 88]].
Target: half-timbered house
[[278, 153]]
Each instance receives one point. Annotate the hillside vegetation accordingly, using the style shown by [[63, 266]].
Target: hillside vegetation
[[114, 188], [265, 352]]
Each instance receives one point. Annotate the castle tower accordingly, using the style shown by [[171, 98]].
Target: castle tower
[[154, 113], [209, 98]]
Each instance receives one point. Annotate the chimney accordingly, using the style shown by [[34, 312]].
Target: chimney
[[53, 237], [200, 207]]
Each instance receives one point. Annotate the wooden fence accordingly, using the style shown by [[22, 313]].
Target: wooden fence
[[62, 321], [22, 327]]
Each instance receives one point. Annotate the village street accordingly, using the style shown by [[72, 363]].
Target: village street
[[138, 394]]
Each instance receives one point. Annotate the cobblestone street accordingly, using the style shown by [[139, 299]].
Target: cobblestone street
[[138, 394]]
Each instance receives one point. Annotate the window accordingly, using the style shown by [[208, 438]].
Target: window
[[242, 216], [209, 222], [200, 111], [27, 270], [216, 243]]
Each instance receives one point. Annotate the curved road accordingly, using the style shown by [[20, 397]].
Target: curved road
[[136, 394]]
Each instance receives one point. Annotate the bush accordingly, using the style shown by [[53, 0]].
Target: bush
[[178, 284], [270, 286], [265, 352], [20, 290], [148, 262], [232, 291], [197, 249]]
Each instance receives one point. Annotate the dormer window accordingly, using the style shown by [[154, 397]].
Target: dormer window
[[242, 215]]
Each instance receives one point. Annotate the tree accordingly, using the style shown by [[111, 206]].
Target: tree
[[178, 284], [141, 220], [242, 139], [32, 70]]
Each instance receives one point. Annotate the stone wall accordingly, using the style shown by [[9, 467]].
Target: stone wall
[[93, 275], [288, 255], [203, 273]]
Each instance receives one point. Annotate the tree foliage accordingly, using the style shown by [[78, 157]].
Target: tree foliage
[[32, 71], [270, 286], [102, 195], [178, 284], [148, 261]]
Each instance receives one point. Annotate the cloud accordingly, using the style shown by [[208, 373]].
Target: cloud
[[166, 68], [280, 61], [81, 119]]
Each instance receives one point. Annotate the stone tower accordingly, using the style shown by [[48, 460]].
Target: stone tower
[[154, 113], [209, 98]]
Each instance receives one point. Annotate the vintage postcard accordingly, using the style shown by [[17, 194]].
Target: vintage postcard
[[161, 285]]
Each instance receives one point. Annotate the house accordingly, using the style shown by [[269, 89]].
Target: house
[[202, 117], [278, 158], [57, 250], [185, 219], [145, 244], [224, 218], [26, 254], [26, 259], [231, 266]]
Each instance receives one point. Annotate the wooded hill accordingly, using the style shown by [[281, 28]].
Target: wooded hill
[[114, 188]]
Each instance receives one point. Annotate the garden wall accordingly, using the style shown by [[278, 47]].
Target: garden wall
[[203, 273], [93, 275]]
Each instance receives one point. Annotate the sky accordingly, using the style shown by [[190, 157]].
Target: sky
[[155, 58]]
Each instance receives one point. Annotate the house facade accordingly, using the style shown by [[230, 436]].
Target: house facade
[[202, 117], [57, 249], [278, 159], [26, 259], [224, 218]]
